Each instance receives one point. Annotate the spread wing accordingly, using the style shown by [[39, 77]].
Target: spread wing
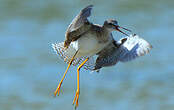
[[107, 57], [80, 19], [132, 47], [78, 26]]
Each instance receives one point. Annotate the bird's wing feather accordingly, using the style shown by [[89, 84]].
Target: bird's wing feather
[[133, 48], [79, 26], [80, 19], [106, 57]]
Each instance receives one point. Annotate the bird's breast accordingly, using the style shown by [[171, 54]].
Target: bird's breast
[[88, 45]]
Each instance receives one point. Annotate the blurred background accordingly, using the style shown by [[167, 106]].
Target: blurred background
[[30, 70]]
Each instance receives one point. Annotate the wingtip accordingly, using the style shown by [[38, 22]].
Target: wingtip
[[86, 12], [88, 7]]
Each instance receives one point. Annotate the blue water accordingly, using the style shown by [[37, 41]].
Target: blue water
[[30, 71]]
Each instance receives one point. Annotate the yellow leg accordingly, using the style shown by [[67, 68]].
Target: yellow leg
[[76, 98], [59, 86]]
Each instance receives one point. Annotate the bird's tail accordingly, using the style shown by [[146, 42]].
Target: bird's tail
[[65, 53]]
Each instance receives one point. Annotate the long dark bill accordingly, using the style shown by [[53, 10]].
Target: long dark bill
[[117, 28]]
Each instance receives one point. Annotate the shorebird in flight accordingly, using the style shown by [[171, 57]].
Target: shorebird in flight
[[84, 39]]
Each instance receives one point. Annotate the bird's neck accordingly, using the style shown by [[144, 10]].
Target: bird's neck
[[106, 29], [104, 34]]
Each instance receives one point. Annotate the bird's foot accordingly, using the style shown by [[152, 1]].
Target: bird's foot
[[76, 99], [57, 91]]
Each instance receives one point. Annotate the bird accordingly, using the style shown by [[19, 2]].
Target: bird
[[84, 40]]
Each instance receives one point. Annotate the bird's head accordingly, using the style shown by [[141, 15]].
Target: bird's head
[[112, 25]]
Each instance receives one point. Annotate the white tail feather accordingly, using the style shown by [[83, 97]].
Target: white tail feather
[[67, 53]]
